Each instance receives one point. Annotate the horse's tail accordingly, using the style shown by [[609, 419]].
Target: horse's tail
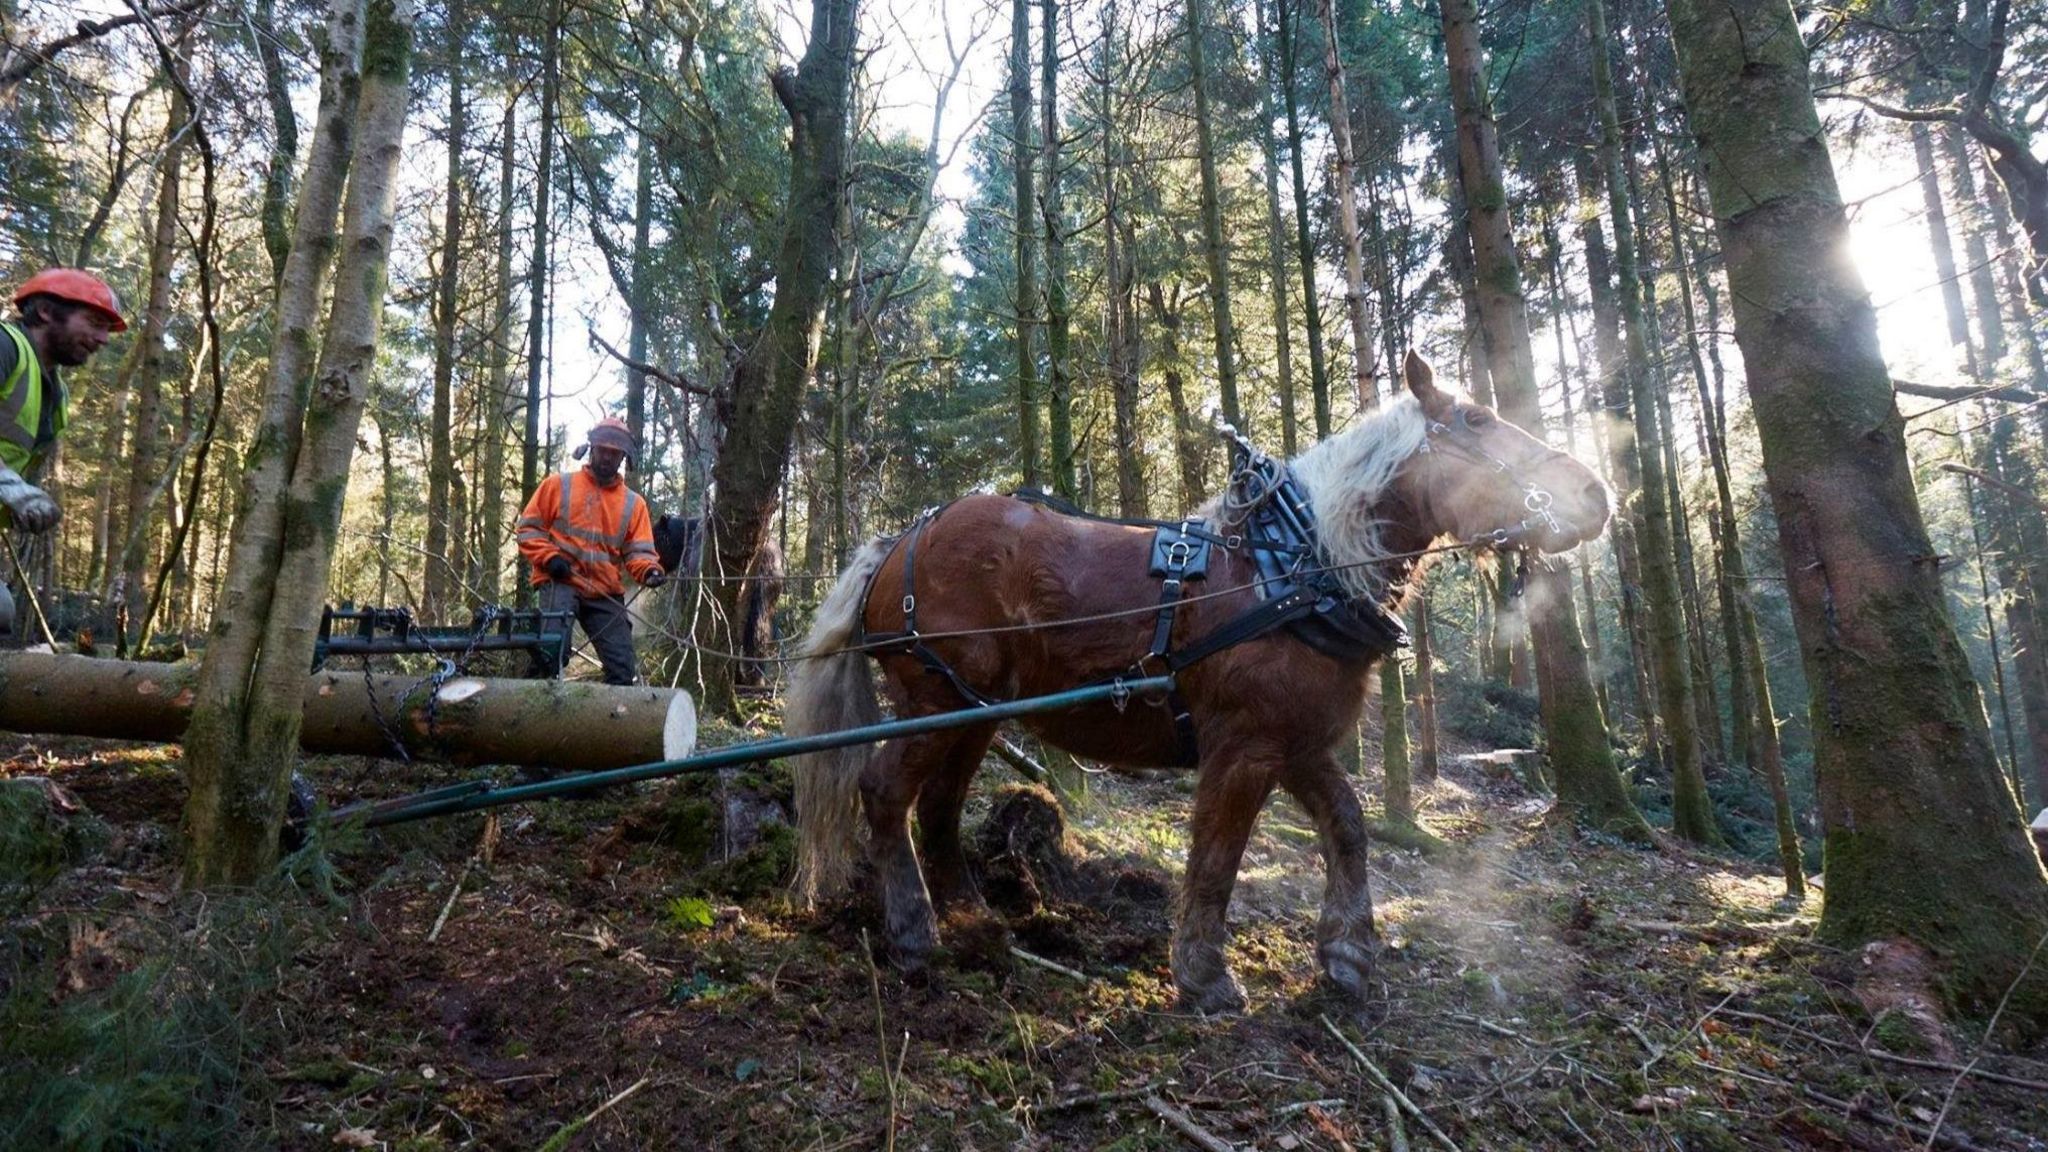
[[830, 690]]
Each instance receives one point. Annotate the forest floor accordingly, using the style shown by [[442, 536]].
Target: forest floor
[[606, 974]]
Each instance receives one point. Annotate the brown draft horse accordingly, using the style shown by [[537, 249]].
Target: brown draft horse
[[1267, 711]]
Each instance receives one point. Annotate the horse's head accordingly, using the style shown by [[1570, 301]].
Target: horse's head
[[1485, 478]]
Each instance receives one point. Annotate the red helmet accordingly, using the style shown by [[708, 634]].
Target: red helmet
[[78, 287], [611, 432]]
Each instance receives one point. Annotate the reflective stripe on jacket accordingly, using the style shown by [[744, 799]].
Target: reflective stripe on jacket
[[23, 398], [597, 528]]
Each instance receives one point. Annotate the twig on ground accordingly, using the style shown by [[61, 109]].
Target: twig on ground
[[1487, 1026], [882, 1036], [1049, 965], [560, 1140], [486, 846], [1660, 1053], [1864, 1111], [1097, 1099], [1949, 1098], [1881, 1054], [1386, 1085], [1305, 1105], [1180, 1122], [1397, 1135]]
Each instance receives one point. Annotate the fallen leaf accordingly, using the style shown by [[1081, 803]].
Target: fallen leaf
[[356, 1138]]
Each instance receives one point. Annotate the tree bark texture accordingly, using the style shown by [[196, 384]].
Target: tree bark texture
[[1276, 240], [1921, 840]]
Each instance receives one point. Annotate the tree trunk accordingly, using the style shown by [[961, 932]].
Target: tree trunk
[[1119, 259], [559, 724], [1364, 370], [144, 439], [1304, 246], [637, 308], [769, 383], [499, 403], [1022, 166], [1943, 247], [1588, 784], [537, 269], [1426, 763], [1400, 794], [1186, 448], [247, 712], [1059, 396], [1921, 839], [442, 585], [1276, 241], [1214, 246], [284, 142], [1692, 813]]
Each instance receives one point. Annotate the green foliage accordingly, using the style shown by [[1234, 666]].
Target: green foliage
[[689, 914], [163, 1057], [36, 843]]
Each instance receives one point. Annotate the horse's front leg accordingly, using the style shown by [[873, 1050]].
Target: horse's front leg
[[1345, 940], [889, 786], [1228, 797]]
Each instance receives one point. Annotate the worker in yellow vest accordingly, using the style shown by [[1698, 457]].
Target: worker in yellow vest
[[63, 317]]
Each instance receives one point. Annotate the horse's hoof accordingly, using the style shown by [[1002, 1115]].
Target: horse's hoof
[[1347, 968], [1223, 997]]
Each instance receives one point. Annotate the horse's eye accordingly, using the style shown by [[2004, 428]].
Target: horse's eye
[[1478, 417]]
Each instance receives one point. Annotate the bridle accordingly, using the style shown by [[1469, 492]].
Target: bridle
[[1458, 438]]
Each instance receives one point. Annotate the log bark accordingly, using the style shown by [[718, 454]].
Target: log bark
[[558, 724]]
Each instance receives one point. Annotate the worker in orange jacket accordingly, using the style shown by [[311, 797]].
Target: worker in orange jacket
[[576, 533]]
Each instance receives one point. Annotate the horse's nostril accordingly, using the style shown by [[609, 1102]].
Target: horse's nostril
[[1597, 496]]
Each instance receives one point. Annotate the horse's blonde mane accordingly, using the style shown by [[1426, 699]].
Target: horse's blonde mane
[[1346, 476]]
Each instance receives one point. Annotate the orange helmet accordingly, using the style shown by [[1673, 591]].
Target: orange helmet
[[611, 432], [77, 286]]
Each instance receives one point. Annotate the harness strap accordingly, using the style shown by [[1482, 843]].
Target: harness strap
[[913, 644], [1192, 528], [1178, 555]]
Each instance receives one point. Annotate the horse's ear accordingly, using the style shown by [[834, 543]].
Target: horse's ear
[[1422, 382]]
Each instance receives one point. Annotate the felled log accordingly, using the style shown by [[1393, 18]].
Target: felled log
[[559, 724]]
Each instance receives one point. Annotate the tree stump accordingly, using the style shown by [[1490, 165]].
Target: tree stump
[[1025, 856]]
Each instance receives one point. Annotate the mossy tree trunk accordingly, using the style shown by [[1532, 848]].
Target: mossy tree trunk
[[1589, 785], [244, 735], [1426, 764], [1214, 247], [1692, 813], [769, 382], [1921, 840], [1394, 758]]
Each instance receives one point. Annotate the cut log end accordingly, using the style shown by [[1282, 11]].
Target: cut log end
[[456, 691], [679, 730]]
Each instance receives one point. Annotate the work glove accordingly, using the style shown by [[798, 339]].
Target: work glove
[[32, 507], [654, 578], [557, 568]]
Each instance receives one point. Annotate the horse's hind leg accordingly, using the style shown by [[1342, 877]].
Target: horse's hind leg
[[1345, 941], [888, 787], [938, 821], [1228, 797]]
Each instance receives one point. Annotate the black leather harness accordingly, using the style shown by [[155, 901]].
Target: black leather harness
[[1296, 591]]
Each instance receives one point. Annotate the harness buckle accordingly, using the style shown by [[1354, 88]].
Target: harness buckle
[[1499, 537], [1119, 695], [909, 605]]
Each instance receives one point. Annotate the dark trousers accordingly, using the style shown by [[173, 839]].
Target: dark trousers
[[605, 621]]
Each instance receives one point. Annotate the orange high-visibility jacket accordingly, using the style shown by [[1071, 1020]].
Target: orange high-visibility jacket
[[597, 527]]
